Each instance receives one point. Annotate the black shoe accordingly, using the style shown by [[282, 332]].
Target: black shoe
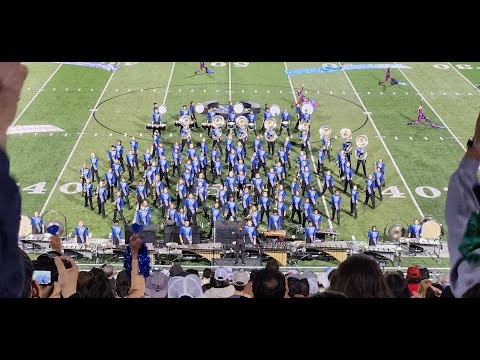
[[243, 264], [234, 264]]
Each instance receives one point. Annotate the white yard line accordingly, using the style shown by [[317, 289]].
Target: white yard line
[[458, 71], [229, 82], [38, 92], [313, 159], [385, 146], [431, 107], [168, 85], [75, 146]]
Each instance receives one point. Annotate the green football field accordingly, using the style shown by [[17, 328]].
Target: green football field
[[418, 159]]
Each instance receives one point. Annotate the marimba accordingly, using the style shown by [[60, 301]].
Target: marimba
[[337, 249], [391, 252], [278, 251], [208, 251]]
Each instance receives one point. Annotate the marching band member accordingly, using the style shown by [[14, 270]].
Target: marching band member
[[342, 164], [134, 148], [274, 221], [381, 165], [201, 179], [94, 167], [282, 157], [156, 117], [313, 196], [285, 118], [296, 206], [271, 144], [116, 234], [85, 173], [228, 147], [102, 195], [165, 199], [251, 232], [141, 192], [348, 174], [160, 151], [142, 216], [216, 215], [81, 232], [266, 115], [254, 165], [147, 159], [149, 177], [120, 151], [415, 230], [210, 116], [186, 140], [379, 179], [163, 170], [370, 190], [155, 107], [310, 233], [221, 197], [306, 179], [202, 160], [264, 204], [353, 201], [111, 181], [373, 236], [316, 219], [112, 155], [38, 226], [232, 159], [181, 191], [257, 143], [172, 212], [240, 167], [175, 147], [183, 111], [230, 184], [191, 208], [88, 192], [281, 192], [192, 113], [252, 119], [288, 147], [255, 214], [117, 170], [217, 142], [279, 172], [191, 152], [230, 108], [157, 191], [131, 161], [306, 116], [204, 146], [262, 159], [320, 162], [327, 146], [185, 234], [307, 210], [231, 116], [240, 150], [294, 186], [181, 217], [387, 76], [246, 202], [258, 186], [177, 161], [304, 141], [298, 112], [201, 194], [336, 206], [346, 144], [282, 210], [271, 182], [119, 206], [360, 153], [231, 209], [241, 183], [124, 188]]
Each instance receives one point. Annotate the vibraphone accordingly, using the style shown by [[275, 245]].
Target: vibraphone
[[391, 252], [422, 245], [278, 251], [208, 251], [337, 249]]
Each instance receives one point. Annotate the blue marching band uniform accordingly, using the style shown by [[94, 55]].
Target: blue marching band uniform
[[182, 169]]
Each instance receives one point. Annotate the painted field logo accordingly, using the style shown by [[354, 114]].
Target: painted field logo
[[26, 129]]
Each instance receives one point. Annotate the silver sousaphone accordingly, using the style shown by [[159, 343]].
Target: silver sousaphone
[[325, 131], [271, 124], [362, 142], [346, 134], [185, 120]]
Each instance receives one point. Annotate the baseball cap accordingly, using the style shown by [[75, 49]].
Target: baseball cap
[[312, 281], [240, 278], [221, 274], [413, 272], [190, 286]]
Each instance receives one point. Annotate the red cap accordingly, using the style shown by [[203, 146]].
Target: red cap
[[413, 272]]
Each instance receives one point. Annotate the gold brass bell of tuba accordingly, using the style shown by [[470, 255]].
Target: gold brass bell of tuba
[[362, 142], [241, 122], [218, 121], [303, 126], [270, 124], [346, 134]]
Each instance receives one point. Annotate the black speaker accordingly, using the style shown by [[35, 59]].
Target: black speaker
[[229, 262], [225, 231], [148, 233], [172, 234]]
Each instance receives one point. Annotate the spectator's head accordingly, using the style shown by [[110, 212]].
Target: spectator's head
[[398, 285], [424, 273], [207, 273], [176, 270], [422, 287], [330, 294], [156, 285], [189, 286], [240, 280], [98, 287], [108, 269], [413, 275], [97, 271], [221, 278], [269, 284], [273, 264], [360, 277], [192, 271], [83, 278], [123, 284], [312, 281], [31, 288], [298, 288]]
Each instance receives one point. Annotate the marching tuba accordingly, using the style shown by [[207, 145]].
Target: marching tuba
[[303, 126], [242, 123], [271, 124], [185, 120], [346, 134], [362, 142], [187, 135], [325, 131]]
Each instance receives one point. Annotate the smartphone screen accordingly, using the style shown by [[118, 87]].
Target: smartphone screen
[[43, 277]]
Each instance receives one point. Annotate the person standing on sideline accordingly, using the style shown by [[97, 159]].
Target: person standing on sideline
[[37, 224], [373, 236], [82, 234], [116, 234]]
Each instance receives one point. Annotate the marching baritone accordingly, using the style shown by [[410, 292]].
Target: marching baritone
[[88, 192], [81, 232]]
